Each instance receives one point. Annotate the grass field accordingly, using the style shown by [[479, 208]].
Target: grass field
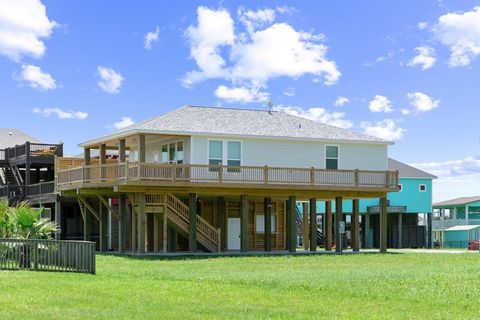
[[412, 285]]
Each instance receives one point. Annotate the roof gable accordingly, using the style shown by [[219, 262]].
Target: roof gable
[[406, 171], [243, 122], [12, 137]]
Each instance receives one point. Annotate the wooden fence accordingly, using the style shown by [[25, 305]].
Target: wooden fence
[[47, 255]]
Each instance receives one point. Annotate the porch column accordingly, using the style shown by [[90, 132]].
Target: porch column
[[192, 230], [134, 228], [328, 226], [366, 230], [305, 237], [102, 152], [141, 222], [121, 150], [58, 220], [383, 225], [27, 164], [222, 218], [356, 225], [267, 209], [400, 230], [338, 218], [466, 213], [141, 148], [122, 227], [313, 224], [292, 224], [243, 223], [87, 162]]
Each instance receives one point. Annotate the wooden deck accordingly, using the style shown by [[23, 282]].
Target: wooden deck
[[199, 175]]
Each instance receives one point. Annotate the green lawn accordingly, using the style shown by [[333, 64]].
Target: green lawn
[[411, 285]]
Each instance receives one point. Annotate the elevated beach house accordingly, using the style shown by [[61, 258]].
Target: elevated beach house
[[218, 179]]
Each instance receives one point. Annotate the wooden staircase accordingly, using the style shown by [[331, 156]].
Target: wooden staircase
[[178, 213]]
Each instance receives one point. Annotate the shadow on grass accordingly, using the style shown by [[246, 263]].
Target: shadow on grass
[[203, 256]]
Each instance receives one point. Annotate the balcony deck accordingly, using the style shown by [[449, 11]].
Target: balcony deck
[[38, 192], [214, 176], [31, 152]]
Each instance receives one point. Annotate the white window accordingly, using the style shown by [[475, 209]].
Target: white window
[[400, 187], [224, 152], [422, 187], [331, 157], [173, 152], [260, 223]]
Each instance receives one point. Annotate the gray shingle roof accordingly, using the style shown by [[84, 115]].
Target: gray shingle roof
[[406, 171], [243, 122], [458, 201], [12, 137]]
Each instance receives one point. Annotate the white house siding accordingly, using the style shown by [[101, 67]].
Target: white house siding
[[294, 153]]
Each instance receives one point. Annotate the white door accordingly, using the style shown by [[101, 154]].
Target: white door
[[233, 231]]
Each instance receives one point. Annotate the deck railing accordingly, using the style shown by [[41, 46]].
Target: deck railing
[[41, 188], [20, 192], [448, 223], [32, 150], [47, 255], [198, 173]]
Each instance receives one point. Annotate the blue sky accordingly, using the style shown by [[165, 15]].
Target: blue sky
[[403, 70]]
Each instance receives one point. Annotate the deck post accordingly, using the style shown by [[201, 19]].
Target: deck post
[[122, 226], [27, 165], [328, 226], [400, 230], [313, 224], [103, 161], [430, 231], [133, 226], [366, 230], [141, 222], [222, 218], [305, 238], [58, 220], [267, 209], [356, 225], [102, 226], [292, 224], [156, 232], [121, 150], [383, 224], [338, 218], [192, 231], [87, 225], [86, 162], [243, 223]]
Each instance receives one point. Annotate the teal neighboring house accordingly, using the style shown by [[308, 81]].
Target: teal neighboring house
[[459, 212], [409, 211]]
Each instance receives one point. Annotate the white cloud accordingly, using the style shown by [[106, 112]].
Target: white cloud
[[460, 32], [37, 79], [23, 26], [290, 92], [151, 38], [380, 59], [380, 104], [405, 111], [61, 114], [386, 129], [110, 81], [425, 58], [422, 25], [254, 19], [123, 123], [241, 94], [456, 178], [341, 101], [422, 102], [250, 59], [336, 119]]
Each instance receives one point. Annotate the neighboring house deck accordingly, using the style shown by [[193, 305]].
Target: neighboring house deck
[[26, 167], [464, 211], [218, 179]]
